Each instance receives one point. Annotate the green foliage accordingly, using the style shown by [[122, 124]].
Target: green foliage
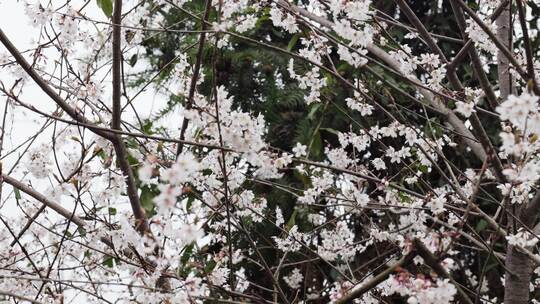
[[250, 71], [110, 261], [147, 198], [112, 211], [106, 6], [17, 194]]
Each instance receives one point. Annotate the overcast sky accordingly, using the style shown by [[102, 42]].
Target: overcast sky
[[16, 25]]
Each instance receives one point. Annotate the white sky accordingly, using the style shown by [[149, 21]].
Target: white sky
[[16, 25]]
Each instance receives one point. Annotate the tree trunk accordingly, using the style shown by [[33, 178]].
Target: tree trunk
[[516, 287], [519, 266], [504, 34]]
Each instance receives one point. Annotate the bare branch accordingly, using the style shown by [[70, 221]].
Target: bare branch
[[44, 200], [357, 291], [76, 115]]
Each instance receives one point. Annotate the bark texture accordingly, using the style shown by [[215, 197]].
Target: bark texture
[[519, 266], [516, 286], [503, 65]]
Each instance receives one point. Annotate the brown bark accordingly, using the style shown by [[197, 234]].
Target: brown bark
[[118, 143], [519, 266], [516, 286], [503, 65]]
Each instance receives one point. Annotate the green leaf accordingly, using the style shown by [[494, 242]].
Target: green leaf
[[313, 110], [292, 221], [306, 181], [189, 203], [330, 130], [147, 199], [82, 231], [147, 127], [187, 254], [112, 211], [102, 154], [132, 160], [316, 145], [292, 42], [423, 169], [481, 225], [106, 6], [210, 266], [17, 194], [404, 198], [133, 59], [184, 267], [110, 262]]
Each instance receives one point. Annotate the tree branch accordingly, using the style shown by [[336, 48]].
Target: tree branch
[[46, 88], [473, 54], [429, 97], [118, 143], [500, 44], [195, 76], [44, 200], [359, 290], [456, 84], [432, 261], [79, 117], [526, 40], [116, 65]]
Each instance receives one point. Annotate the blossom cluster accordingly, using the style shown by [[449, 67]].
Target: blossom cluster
[[267, 152]]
